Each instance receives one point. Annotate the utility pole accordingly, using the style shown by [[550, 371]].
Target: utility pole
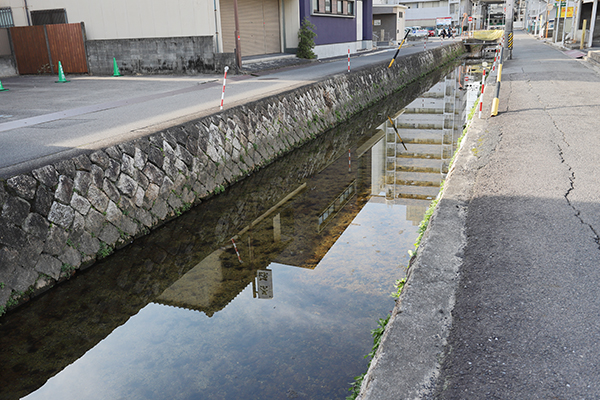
[[508, 28], [238, 42]]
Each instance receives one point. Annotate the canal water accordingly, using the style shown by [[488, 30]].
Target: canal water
[[266, 291]]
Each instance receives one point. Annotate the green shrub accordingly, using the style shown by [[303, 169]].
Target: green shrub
[[306, 40]]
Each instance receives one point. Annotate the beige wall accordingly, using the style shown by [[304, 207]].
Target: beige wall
[[120, 19]]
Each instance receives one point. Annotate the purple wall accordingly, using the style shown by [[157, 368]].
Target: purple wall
[[337, 29]]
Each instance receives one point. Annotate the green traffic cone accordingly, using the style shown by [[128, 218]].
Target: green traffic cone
[[115, 68], [61, 74], [2, 88]]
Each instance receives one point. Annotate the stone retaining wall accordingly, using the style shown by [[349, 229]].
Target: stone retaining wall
[[65, 216]]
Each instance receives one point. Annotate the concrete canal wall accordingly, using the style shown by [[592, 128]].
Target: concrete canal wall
[[63, 217]]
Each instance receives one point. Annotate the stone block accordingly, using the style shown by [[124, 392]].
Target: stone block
[[127, 165], [88, 245], [97, 175], [71, 257], [61, 215], [156, 156], [160, 209], [36, 225], [64, 191], [111, 191], [175, 202], [166, 187], [97, 198], [143, 216], [80, 204], [152, 193], [114, 153], [22, 278], [114, 214], [113, 170], [49, 265], [154, 174], [127, 185], [100, 158], [15, 210], [8, 261], [46, 175], [56, 240], [129, 226], [94, 222], [30, 252], [141, 179], [127, 148], [140, 159], [66, 168], [43, 200], [82, 163], [138, 197], [110, 235], [23, 185], [82, 182]]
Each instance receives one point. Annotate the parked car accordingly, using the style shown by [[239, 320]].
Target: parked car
[[417, 31], [430, 31]]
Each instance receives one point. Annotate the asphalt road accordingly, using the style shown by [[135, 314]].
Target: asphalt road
[[42, 121], [502, 302]]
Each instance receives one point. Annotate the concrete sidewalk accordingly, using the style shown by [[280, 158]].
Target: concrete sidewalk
[[502, 301]]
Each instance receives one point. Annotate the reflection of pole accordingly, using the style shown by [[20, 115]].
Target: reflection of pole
[[236, 251], [238, 44]]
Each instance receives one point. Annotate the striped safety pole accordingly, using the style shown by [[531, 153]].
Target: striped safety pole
[[481, 97], [349, 161], [348, 60], [223, 93], [425, 44], [237, 252], [496, 101]]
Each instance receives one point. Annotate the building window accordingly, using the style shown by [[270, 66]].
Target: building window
[[6, 18], [327, 5], [350, 8], [400, 14], [340, 6], [49, 17], [315, 5]]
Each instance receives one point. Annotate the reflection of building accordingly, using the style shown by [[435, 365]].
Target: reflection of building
[[429, 127]]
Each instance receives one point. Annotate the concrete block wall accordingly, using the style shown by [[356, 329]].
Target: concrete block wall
[[63, 217], [175, 55]]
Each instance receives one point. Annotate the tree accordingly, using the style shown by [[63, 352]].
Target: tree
[[306, 40]]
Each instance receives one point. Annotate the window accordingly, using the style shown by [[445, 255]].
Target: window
[[49, 17], [340, 6], [6, 18], [400, 14], [327, 5], [315, 5], [350, 8]]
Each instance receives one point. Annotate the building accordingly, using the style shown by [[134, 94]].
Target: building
[[389, 23], [187, 36]]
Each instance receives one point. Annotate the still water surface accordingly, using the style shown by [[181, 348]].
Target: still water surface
[[322, 235]]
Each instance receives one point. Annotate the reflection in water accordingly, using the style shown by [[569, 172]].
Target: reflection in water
[[266, 291]]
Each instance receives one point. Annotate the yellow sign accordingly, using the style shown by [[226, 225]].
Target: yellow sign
[[569, 12]]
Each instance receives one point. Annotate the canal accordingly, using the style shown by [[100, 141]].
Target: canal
[[266, 291]]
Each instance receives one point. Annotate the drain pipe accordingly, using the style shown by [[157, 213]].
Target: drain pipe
[[27, 13], [216, 27]]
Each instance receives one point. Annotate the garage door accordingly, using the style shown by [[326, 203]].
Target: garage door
[[259, 26]]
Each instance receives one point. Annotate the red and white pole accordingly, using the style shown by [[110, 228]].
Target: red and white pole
[[425, 44], [223, 96], [235, 247], [348, 60], [481, 98], [349, 161]]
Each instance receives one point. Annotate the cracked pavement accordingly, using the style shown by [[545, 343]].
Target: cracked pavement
[[503, 299]]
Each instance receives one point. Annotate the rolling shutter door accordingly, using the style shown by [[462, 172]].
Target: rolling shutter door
[[259, 26]]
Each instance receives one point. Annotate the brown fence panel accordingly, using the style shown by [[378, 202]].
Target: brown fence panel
[[31, 53], [66, 45]]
